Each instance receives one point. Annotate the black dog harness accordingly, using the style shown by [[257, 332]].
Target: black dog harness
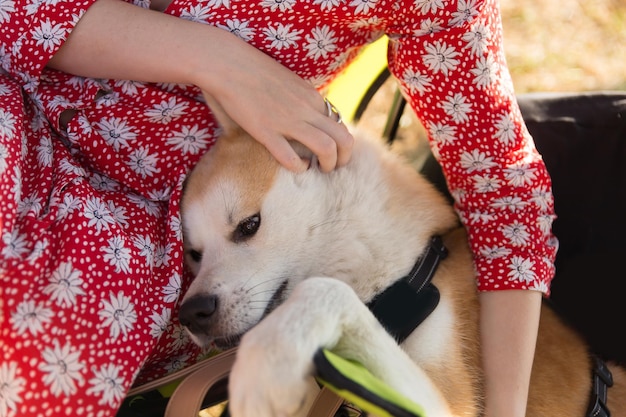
[[405, 304]]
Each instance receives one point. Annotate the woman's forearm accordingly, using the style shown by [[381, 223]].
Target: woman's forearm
[[117, 40], [509, 322]]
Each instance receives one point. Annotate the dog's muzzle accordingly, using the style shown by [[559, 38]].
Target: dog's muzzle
[[195, 313]]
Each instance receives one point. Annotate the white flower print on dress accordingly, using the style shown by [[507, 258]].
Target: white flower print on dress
[[541, 286], [129, 87], [542, 197], [457, 107], [103, 183], [327, 4], [429, 26], [49, 36], [44, 151], [60, 101], [118, 314], [11, 386], [366, 23], [363, 6], [477, 39], [145, 246], [177, 363], [30, 316], [172, 290], [107, 384], [480, 216], [466, 12], [166, 111], [117, 254], [428, 6], [239, 28], [108, 99], [176, 227], [150, 207], [416, 81], [115, 132], [38, 250], [320, 42], [281, 5], [118, 213], [97, 212], [442, 134], [545, 223], [162, 255], [476, 161], [160, 322], [190, 139], [440, 57], [15, 243], [161, 194], [30, 204], [62, 369], [521, 270], [516, 233], [520, 175], [494, 252], [485, 72], [69, 204], [180, 337], [505, 129], [197, 13], [65, 285], [281, 36], [485, 184], [143, 163], [6, 8], [4, 153], [513, 203], [7, 124]]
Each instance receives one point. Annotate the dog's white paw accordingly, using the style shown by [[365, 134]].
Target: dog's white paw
[[267, 381]]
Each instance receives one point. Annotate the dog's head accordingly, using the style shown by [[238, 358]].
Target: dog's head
[[241, 214], [253, 229]]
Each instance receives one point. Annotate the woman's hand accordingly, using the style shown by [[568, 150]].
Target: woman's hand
[[116, 40]]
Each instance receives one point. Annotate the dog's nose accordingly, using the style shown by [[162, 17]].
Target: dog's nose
[[196, 312]]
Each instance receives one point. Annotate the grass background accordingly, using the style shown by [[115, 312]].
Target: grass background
[[565, 45]]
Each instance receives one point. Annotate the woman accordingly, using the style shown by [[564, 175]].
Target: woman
[[91, 167]]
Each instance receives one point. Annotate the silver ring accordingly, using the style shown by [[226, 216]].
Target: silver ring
[[332, 112]]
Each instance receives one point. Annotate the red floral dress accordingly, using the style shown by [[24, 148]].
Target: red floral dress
[[91, 262]]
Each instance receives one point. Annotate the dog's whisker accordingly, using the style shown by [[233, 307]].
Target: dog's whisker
[[262, 283]]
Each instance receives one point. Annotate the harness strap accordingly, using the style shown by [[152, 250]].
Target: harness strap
[[602, 380], [406, 303]]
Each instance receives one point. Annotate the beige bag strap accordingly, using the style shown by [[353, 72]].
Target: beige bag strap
[[186, 401], [326, 404], [197, 380]]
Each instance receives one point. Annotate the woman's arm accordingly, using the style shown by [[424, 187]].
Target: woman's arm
[[117, 40], [509, 322]]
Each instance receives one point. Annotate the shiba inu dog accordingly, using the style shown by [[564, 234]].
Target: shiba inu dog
[[285, 263]]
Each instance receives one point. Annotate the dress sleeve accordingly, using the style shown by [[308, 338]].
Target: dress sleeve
[[32, 31], [449, 59]]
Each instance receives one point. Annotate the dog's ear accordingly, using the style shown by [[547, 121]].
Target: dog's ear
[[227, 124]]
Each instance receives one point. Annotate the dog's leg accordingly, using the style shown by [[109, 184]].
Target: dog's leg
[[274, 360]]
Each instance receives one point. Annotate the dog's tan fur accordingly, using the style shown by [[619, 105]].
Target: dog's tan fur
[[363, 225]]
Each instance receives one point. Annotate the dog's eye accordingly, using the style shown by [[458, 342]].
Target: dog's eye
[[195, 255], [247, 228]]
